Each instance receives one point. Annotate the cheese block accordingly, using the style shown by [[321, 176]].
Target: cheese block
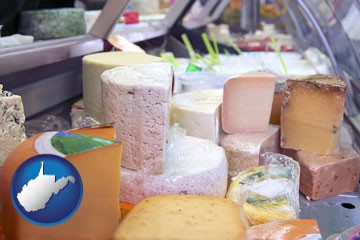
[[329, 175], [269, 192], [52, 23], [98, 165], [198, 113], [243, 150], [193, 166], [312, 113], [94, 65], [296, 229], [183, 217], [247, 102], [12, 123], [137, 99], [276, 105]]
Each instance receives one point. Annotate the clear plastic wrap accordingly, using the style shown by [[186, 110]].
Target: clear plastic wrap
[[192, 166], [269, 192], [352, 233], [79, 118]]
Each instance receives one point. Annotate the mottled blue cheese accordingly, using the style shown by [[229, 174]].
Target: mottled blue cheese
[[12, 130]]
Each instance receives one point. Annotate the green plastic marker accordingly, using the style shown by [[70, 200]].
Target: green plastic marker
[[189, 47], [227, 52], [208, 64], [214, 40], [208, 46], [193, 68], [173, 60], [277, 49], [236, 48]]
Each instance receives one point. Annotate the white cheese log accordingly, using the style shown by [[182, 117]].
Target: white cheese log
[[193, 166], [198, 113], [12, 121], [94, 65], [137, 99], [243, 150]]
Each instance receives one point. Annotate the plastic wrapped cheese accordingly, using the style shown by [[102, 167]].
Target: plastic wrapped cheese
[[97, 159], [269, 192], [192, 166]]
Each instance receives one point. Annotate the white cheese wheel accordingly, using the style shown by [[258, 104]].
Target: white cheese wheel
[[137, 99], [95, 64], [193, 166]]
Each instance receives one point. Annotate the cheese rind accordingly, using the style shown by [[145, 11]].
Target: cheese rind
[[193, 166], [243, 150], [312, 114], [247, 102], [324, 176], [94, 65], [137, 99], [183, 217], [12, 122], [98, 214], [198, 113]]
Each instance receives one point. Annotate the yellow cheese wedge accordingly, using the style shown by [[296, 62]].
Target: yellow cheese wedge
[[98, 214], [183, 217], [312, 113]]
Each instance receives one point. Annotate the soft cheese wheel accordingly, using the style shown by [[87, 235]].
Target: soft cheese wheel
[[198, 113], [243, 150], [12, 123], [183, 217], [94, 65], [193, 166], [329, 175], [98, 214], [137, 99], [247, 102], [312, 113], [296, 229]]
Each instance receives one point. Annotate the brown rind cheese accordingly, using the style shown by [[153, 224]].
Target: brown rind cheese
[[312, 113]]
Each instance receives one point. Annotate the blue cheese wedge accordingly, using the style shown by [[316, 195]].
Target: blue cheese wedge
[[12, 121]]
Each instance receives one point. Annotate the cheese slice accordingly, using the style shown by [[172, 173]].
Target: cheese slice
[[12, 122], [198, 113], [137, 99], [324, 176], [98, 214], [243, 150], [247, 102], [297, 229], [312, 114], [183, 217], [193, 166], [94, 65]]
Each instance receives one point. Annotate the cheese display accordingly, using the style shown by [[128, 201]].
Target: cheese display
[[192, 166], [98, 162], [198, 113], [329, 175], [247, 102], [243, 150], [298, 229], [276, 105], [94, 65], [183, 217], [12, 123], [269, 192], [137, 99], [52, 23], [312, 113]]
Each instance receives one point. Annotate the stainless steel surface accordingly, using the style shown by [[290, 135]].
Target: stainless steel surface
[[334, 214], [109, 16], [46, 52], [175, 11]]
